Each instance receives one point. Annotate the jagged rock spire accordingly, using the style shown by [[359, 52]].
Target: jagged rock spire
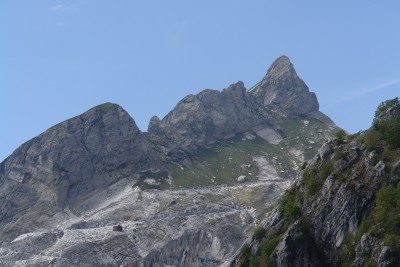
[[281, 69], [283, 91]]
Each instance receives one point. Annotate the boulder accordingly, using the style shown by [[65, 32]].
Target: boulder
[[242, 179]]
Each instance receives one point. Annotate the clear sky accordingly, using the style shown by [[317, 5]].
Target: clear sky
[[59, 58]]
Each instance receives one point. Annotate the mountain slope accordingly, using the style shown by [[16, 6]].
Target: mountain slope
[[344, 210], [217, 161], [61, 168]]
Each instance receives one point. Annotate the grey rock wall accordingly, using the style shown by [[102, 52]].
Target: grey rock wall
[[60, 168], [283, 91]]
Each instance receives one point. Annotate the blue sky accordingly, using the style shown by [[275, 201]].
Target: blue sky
[[60, 58]]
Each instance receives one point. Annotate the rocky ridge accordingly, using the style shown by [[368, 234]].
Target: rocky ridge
[[211, 115], [60, 169], [63, 190], [335, 215]]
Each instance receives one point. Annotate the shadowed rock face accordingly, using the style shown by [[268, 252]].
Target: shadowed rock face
[[281, 90], [60, 168]]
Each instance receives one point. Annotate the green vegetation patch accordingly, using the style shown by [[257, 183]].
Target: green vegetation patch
[[340, 137], [306, 134], [228, 159], [390, 131], [339, 155], [347, 251], [221, 164], [266, 256], [259, 233], [290, 207], [326, 170], [244, 255], [373, 140], [383, 224], [385, 105], [312, 182], [387, 210]]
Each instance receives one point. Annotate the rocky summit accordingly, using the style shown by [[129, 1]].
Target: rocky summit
[[187, 192], [283, 91]]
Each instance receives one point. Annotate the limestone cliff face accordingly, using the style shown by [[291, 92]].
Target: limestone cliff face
[[62, 167]]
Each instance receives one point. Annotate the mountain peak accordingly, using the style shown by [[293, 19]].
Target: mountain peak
[[106, 107], [283, 91], [281, 61], [280, 67]]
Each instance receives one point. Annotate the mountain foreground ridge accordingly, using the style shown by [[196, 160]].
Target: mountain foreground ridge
[[344, 211], [187, 191]]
